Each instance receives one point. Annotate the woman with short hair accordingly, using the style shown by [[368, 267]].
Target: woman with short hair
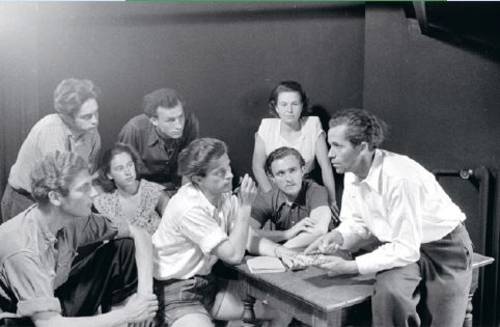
[[292, 128]]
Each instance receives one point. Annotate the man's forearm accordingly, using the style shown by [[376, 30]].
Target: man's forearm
[[239, 235], [110, 319], [273, 235], [259, 245], [144, 259], [302, 240]]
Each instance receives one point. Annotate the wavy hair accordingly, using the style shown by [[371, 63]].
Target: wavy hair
[[71, 93], [281, 153], [105, 165], [166, 98], [55, 172], [362, 126], [194, 159]]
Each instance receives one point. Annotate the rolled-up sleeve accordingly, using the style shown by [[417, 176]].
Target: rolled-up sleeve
[[202, 229], [29, 284]]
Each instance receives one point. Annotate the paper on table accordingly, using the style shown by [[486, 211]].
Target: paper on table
[[264, 264]]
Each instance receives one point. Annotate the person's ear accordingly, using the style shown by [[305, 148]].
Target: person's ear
[[55, 198], [108, 175], [154, 121], [364, 146]]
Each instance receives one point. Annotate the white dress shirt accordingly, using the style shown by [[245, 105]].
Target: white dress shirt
[[191, 227], [401, 204]]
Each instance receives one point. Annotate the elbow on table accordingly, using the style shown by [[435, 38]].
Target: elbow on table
[[235, 259]]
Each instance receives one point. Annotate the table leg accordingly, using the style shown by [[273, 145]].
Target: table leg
[[248, 313], [332, 319]]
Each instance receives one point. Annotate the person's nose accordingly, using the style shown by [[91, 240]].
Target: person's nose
[[128, 171], [229, 174], [94, 120], [178, 124], [331, 154]]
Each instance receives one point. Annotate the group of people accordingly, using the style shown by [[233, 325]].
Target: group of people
[[158, 210]]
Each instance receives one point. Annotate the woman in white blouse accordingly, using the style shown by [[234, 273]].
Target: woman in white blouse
[[292, 128]]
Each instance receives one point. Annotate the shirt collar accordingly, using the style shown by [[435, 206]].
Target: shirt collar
[[204, 201], [154, 137], [300, 200], [373, 179], [302, 122], [65, 127], [48, 236], [68, 133]]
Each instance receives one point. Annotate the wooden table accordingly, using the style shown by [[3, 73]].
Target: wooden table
[[316, 299], [309, 295]]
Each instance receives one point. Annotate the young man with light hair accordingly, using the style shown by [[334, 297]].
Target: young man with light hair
[[72, 128], [39, 276]]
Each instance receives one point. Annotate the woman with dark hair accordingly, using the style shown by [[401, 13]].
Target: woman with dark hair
[[125, 197], [294, 129]]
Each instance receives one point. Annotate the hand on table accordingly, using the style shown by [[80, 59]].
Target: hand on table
[[329, 243], [286, 255], [338, 266]]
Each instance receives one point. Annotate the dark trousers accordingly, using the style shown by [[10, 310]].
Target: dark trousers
[[431, 292], [103, 277]]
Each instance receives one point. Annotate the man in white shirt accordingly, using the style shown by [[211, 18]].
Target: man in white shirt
[[424, 251], [202, 223]]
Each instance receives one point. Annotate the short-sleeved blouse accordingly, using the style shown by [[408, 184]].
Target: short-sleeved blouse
[[270, 132], [145, 216]]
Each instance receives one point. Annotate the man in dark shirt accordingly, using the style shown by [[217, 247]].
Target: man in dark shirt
[[39, 278], [296, 206], [159, 134]]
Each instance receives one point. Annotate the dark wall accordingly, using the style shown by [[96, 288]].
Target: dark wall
[[223, 58], [442, 103]]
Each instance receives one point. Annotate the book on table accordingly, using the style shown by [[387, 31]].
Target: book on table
[[265, 264]]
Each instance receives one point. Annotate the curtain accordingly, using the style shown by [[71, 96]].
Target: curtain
[[19, 79]]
